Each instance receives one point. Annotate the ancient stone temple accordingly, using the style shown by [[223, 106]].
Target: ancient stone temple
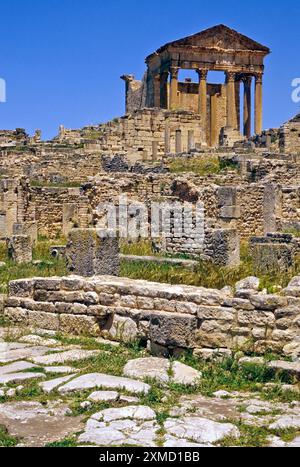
[[216, 49]]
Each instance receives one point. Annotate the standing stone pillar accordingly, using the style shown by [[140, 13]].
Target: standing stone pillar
[[167, 141], [191, 140], [156, 84], [258, 103], [247, 80], [20, 248], [202, 100], [164, 89], [213, 121], [178, 142], [93, 252], [154, 151], [231, 104], [174, 88]]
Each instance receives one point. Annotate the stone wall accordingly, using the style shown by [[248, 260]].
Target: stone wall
[[290, 136], [171, 318], [58, 210]]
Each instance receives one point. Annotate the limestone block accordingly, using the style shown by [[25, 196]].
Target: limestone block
[[49, 321], [16, 315], [122, 329], [20, 248], [92, 252], [225, 244], [79, 325], [173, 329]]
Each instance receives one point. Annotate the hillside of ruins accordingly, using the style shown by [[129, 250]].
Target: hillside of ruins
[[185, 319]]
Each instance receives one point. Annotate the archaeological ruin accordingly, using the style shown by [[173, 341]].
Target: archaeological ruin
[[204, 260]]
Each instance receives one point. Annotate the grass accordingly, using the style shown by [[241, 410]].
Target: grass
[[202, 166], [65, 443], [207, 274], [6, 441], [48, 267], [66, 184]]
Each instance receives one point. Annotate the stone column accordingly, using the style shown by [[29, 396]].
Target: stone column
[[191, 140], [164, 89], [247, 80], [167, 140], [213, 121], [231, 104], [178, 142], [156, 83], [174, 88], [202, 99], [154, 151], [258, 103]]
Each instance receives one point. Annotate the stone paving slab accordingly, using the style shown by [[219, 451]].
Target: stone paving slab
[[67, 356], [37, 425], [104, 396], [200, 430], [24, 353], [162, 370], [99, 380], [48, 386], [134, 412], [60, 369], [16, 367], [19, 377], [121, 432]]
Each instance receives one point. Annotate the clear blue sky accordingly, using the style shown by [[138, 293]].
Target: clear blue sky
[[62, 59]]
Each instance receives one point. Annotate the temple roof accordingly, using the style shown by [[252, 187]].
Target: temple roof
[[217, 38]]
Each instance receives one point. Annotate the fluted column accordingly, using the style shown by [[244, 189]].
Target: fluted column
[[258, 103], [202, 99], [156, 82], [231, 104], [164, 89], [247, 80], [174, 88]]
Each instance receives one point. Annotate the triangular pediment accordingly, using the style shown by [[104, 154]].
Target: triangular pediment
[[219, 38]]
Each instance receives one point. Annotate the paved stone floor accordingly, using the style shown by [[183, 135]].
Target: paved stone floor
[[42, 380]]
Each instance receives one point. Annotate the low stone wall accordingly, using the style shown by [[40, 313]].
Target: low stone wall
[[169, 318]]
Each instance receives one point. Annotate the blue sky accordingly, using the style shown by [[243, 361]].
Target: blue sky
[[62, 59]]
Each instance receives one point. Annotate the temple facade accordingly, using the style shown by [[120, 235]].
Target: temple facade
[[216, 49]]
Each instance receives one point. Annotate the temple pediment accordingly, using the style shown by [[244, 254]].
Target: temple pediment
[[220, 38]]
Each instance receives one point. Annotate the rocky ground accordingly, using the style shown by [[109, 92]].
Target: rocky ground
[[59, 391]]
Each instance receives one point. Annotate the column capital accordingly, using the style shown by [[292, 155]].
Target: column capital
[[259, 78], [174, 70], [247, 79], [202, 73], [230, 76], [164, 74]]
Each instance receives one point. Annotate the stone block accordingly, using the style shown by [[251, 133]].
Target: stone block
[[173, 329], [79, 325], [21, 288], [38, 319], [121, 329], [16, 315], [225, 245], [20, 248], [93, 252]]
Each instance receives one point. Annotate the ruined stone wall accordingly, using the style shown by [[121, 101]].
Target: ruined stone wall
[[170, 317], [290, 136], [15, 206], [57, 210], [50, 164], [13, 137]]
